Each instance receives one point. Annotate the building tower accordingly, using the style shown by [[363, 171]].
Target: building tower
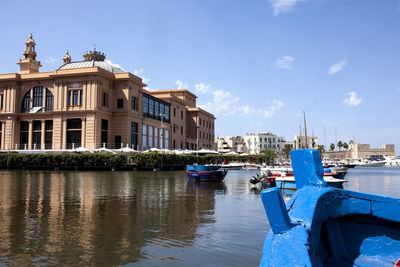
[[29, 64]]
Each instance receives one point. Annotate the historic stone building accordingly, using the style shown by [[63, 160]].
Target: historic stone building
[[92, 104]]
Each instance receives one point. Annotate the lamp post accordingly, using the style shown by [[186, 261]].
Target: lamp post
[[162, 115], [197, 141], [9, 141]]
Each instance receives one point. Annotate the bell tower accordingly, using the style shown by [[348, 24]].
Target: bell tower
[[29, 64]]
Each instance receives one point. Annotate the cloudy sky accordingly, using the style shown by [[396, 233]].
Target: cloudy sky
[[257, 65]]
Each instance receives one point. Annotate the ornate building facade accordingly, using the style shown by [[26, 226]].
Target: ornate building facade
[[92, 104]]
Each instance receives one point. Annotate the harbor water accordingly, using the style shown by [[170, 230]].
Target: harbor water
[[135, 218]]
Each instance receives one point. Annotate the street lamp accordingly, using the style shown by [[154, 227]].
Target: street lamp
[[197, 141], [162, 115], [9, 141]]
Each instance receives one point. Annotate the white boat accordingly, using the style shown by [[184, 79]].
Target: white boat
[[251, 166], [233, 166], [369, 163], [392, 162], [289, 182]]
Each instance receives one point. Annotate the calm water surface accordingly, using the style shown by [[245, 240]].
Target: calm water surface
[[141, 218]]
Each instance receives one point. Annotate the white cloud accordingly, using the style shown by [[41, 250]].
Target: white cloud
[[50, 60], [180, 85], [140, 73], [337, 67], [201, 88], [224, 103], [271, 110], [353, 100], [284, 62], [282, 6], [113, 64]]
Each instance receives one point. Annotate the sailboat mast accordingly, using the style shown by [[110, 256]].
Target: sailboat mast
[[305, 129]]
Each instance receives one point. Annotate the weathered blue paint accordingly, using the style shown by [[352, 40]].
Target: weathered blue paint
[[307, 168], [276, 210], [202, 167], [329, 226]]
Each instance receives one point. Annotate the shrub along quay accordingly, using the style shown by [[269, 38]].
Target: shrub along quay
[[97, 161]]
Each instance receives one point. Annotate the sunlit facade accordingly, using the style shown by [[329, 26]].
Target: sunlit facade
[[88, 103]]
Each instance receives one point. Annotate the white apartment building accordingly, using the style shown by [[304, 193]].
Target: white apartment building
[[265, 140], [231, 143]]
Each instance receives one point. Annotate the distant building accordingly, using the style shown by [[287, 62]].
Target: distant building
[[358, 151], [231, 144], [261, 141], [92, 103], [300, 141]]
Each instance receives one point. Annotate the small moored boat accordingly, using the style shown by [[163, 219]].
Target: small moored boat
[[325, 226], [206, 173]]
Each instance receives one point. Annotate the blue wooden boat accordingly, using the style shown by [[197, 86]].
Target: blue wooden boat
[[325, 226], [206, 173]]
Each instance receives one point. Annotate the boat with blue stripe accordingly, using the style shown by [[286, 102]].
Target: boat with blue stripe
[[206, 173], [326, 226]]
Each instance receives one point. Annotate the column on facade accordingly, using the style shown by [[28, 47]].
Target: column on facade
[[30, 133], [64, 134], [83, 138], [3, 131], [42, 135]]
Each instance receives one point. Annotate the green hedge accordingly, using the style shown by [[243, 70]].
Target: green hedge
[[150, 159]]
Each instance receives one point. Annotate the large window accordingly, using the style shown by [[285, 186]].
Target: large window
[[36, 134], [38, 96], [1, 100], [166, 143], [134, 103], [24, 134], [26, 102], [120, 103], [49, 100], [74, 133], [48, 137], [104, 100], [134, 135], [104, 132], [155, 137], [156, 108], [150, 136], [144, 137]]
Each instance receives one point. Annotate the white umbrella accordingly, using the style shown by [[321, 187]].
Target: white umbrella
[[104, 150], [82, 149], [126, 150], [153, 149], [207, 151], [231, 153]]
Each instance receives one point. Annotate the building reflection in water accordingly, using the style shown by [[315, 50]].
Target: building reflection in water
[[93, 218]]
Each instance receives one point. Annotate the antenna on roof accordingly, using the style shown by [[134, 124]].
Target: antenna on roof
[[94, 45]]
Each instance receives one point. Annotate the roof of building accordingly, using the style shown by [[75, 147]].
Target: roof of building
[[91, 63]]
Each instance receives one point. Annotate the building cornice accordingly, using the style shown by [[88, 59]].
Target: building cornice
[[197, 109]]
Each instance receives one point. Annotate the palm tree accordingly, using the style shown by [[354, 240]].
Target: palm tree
[[270, 155], [332, 146], [321, 149], [340, 144], [345, 145], [286, 149]]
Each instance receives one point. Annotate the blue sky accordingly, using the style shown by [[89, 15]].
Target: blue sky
[[255, 64]]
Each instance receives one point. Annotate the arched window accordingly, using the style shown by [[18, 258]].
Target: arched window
[[38, 96], [26, 102], [49, 100]]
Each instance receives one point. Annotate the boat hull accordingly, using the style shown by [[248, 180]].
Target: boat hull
[[325, 226], [207, 176]]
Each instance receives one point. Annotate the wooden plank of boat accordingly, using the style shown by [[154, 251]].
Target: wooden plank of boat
[[325, 226]]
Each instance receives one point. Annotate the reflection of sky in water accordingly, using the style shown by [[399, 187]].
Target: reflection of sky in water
[[378, 180], [143, 218]]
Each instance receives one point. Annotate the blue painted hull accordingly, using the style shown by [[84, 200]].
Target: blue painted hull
[[286, 185], [325, 226], [207, 176]]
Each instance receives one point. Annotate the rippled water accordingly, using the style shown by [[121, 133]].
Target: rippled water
[[141, 218]]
